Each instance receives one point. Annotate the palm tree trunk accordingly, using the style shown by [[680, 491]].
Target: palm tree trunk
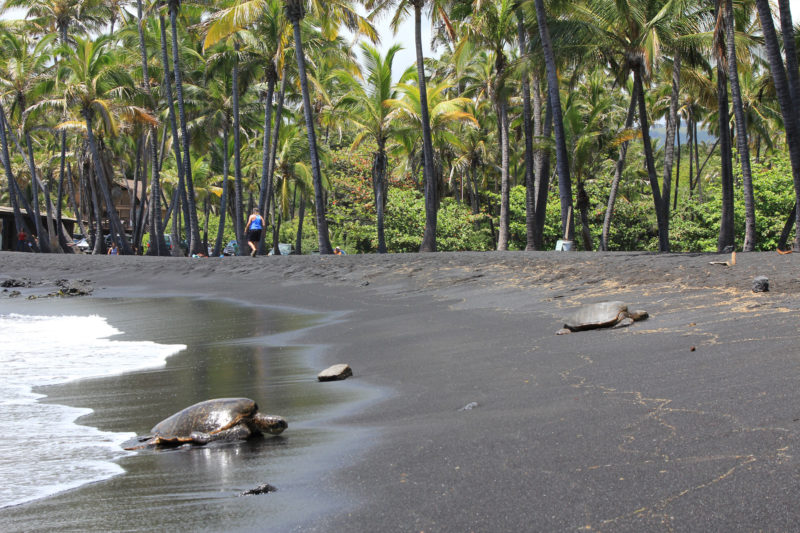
[[156, 225], [690, 144], [99, 242], [787, 228], [669, 142], [114, 225], [19, 220], [238, 222], [137, 171], [562, 161], [786, 101], [504, 231], [195, 245], [173, 121], [319, 203], [272, 76], [527, 128], [379, 189], [65, 244], [678, 166], [663, 225], [431, 208], [223, 201], [790, 48], [612, 194], [138, 228], [267, 206], [583, 209], [44, 244], [726, 230], [543, 178], [741, 132], [74, 204], [298, 242]]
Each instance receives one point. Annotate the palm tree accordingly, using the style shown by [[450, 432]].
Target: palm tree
[[23, 79], [195, 244], [786, 98], [445, 115], [14, 193], [562, 161], [60, 16], [369, 113], [492, 25], [742, 143], [429, 177], [527, 128], [158, 245], [90, 75], [331, 14]]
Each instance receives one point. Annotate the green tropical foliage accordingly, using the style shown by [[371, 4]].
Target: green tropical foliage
[[211, 109]]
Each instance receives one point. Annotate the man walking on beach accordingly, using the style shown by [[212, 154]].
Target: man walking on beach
[[254, 226]]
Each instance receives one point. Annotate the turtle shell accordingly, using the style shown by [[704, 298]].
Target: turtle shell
[[596, 315], [209, 417]]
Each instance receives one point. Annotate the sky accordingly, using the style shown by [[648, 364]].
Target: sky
[[405, 36]]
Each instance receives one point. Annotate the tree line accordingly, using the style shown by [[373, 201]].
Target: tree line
[[558, 97]]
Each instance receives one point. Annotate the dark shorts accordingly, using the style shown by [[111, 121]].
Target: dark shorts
[[254, 235]]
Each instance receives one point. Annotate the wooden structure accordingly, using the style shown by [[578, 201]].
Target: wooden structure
[[9, 231]]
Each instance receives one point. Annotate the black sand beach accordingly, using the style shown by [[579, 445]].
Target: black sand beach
[[685, 422]]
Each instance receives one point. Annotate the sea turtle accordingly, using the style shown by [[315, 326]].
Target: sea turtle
[[219, 419], [602, 315]]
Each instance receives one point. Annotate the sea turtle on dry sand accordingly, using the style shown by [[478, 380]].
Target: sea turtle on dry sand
[[219, 419], [602, 315]]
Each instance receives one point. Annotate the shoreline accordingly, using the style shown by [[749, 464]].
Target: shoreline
[[614, 429]]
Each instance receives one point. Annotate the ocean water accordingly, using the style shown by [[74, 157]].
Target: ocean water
[[44, 450], [120, 365]]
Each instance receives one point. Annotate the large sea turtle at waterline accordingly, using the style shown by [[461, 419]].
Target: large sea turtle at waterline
[[219, 419]]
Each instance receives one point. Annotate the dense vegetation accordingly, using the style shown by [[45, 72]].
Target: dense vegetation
[[669, 126]]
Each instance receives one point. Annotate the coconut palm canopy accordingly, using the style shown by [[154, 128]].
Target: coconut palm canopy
[[647, 124]]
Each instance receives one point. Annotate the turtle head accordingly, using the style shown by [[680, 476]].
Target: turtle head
[[274, 425]]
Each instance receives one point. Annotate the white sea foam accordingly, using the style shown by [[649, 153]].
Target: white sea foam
[[46, 451]]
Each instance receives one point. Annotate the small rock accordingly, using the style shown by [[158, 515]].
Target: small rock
[[14, 294], [761, 284], [73, 287], [470, 406], [261, 489], [15, 283], [563, 331], [335, 373]]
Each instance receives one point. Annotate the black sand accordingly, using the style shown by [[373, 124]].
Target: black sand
[[685, 422]]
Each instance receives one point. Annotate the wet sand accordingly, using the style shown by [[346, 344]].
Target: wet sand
[[687, 421]]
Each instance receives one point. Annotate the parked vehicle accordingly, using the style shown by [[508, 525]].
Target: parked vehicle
[[232, 248], [168, 240], [285, 249], [81, 244]]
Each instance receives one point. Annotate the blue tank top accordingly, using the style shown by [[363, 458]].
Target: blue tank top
[[256, 223]]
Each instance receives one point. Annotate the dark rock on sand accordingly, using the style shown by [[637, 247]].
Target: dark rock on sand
[[12, 282], [261, 489], [67, 287], [761, 284], [335, 373]]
